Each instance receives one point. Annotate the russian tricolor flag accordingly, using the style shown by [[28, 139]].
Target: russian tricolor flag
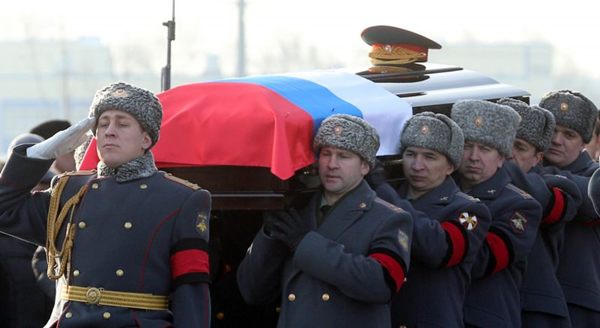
[[267, 121]]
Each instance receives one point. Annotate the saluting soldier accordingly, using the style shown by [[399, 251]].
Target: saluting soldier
[[493, 297], [338, 261], [448, 228], [579, 263], [127, 243], [542, 299]]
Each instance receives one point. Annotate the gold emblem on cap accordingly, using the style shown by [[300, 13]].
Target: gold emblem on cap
[[338, 130], [387, 48], [424, 129], [564, 107], [120, 93], [478, 121]]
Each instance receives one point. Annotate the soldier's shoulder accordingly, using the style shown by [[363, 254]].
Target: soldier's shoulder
[[180, 181], [388, 205], [466, 197], [77, 173], [518, 191]]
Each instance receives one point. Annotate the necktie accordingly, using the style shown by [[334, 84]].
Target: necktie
[[323, 211]]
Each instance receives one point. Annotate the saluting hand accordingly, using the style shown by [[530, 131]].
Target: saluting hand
[[63, 141]]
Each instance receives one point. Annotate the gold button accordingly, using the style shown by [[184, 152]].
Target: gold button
[[68, 315], [277, 309], [106, 315], [220, 316], [128, 225], [362, 205], [402, 326], [143, 186], [291, 297], [325, 297], [94, 185], [120, 273], [76, 273], [81, 225]]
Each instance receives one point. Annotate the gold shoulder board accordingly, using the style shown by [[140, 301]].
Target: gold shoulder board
[[182, 181], [75, 173]]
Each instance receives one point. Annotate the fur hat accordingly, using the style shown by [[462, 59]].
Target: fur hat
[[537, 124], [489, 123], [572, 110], [138, 102], [436, 132], [350, 133]]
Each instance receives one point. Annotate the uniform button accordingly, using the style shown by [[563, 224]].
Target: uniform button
[[277, 309], [291, 297], [143, 186], [82, 225], [402, 326], [94, 185], [76, 273], [120, 273], [128, 225], [362, 205], [220, 316], [106, 315], [325, 297], [68, 315]]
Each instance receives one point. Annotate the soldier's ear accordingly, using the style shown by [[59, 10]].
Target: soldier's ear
[[146, 141], [364, 168]]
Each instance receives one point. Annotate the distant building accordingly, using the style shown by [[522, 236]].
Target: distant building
[[48, 79]]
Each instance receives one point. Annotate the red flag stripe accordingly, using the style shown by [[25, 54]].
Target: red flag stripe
[[499, 251], [189, 261], [557, 208], [392, 266], [458, 247]]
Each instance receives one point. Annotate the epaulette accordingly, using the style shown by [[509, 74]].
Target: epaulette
[[389, 205], [181, 181], [71, 174], [520, 191], [468, 197], [76, 173]]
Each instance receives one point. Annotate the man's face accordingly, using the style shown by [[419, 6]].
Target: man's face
[[340, 171], [424, 169], [525, 155], [566, 146], [120, 138], [479, 163]]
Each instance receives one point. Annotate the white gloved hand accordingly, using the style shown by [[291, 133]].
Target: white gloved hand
[[63, 141]]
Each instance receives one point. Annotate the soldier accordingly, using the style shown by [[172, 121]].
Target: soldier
[[22, 301], [493, 297], [339, 261], [542, 299], [446, 235], [579, 264], [127, 243]]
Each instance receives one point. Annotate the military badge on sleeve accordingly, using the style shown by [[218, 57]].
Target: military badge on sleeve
[[518, 222], [201, 222], [403, 239], [468, 221]]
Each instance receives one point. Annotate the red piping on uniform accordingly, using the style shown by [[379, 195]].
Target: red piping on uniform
[[458, 247], [499, 250], [392, 266], [154, 233]]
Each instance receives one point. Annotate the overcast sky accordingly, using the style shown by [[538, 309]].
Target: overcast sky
[[331, 26]]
